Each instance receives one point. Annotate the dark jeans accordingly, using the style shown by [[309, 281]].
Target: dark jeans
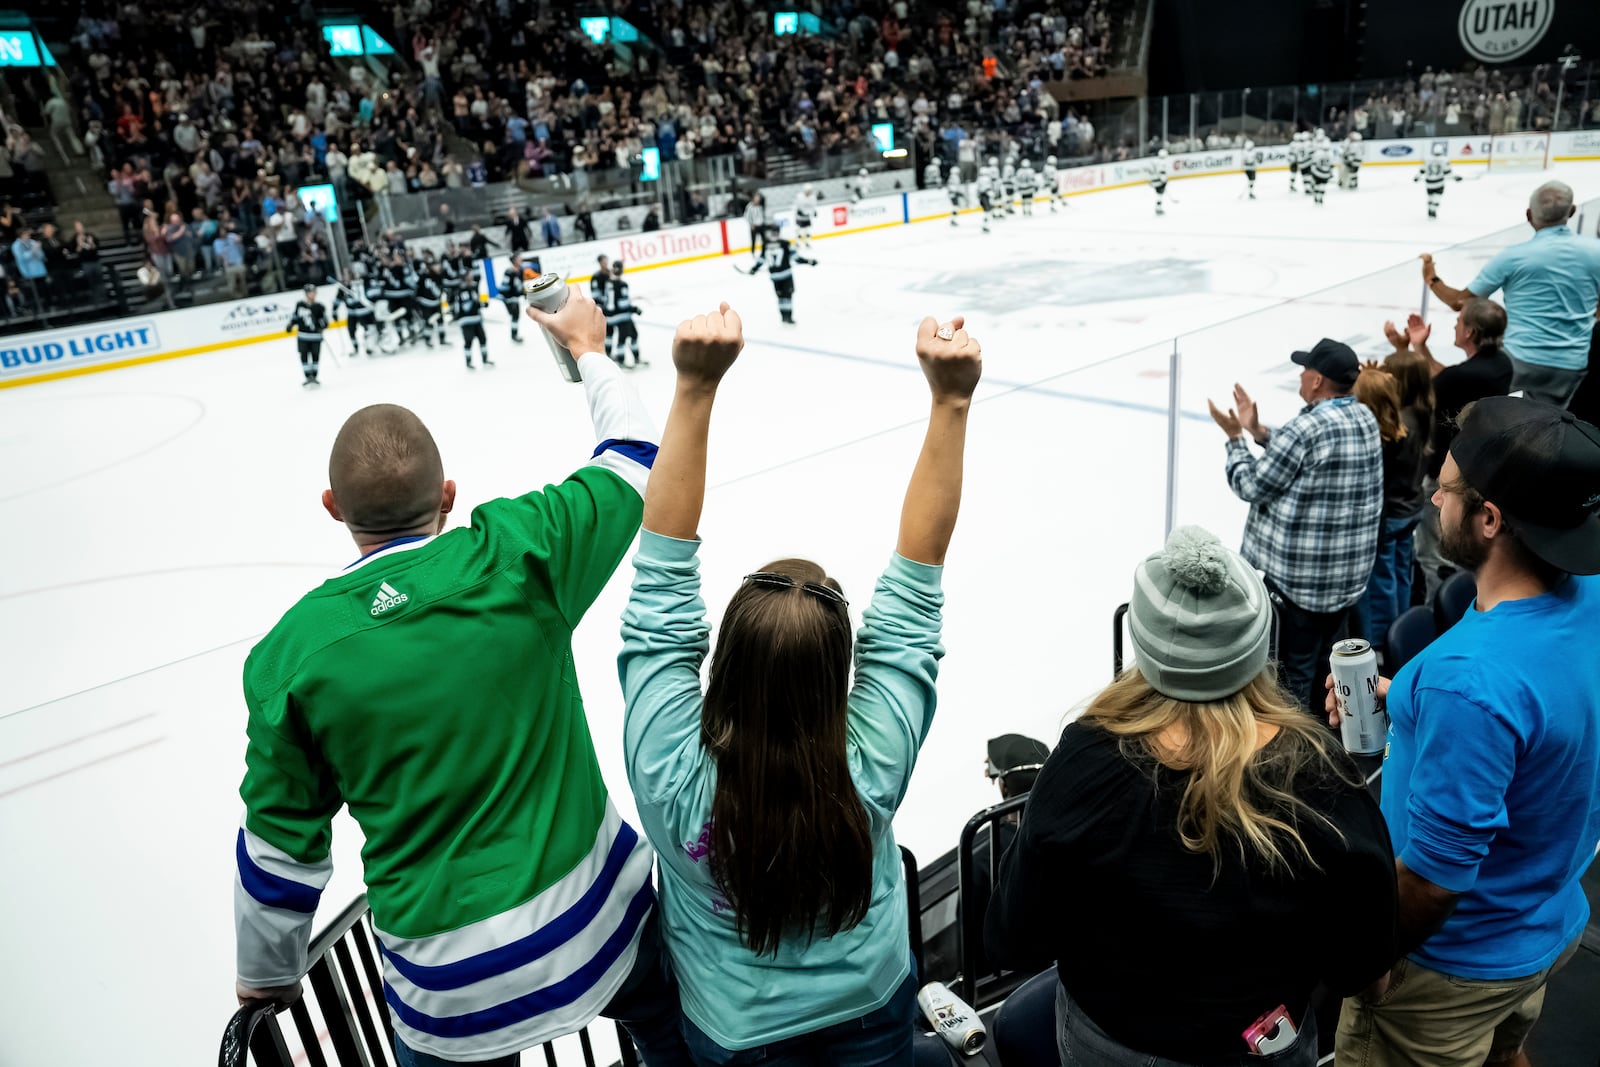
[[1024, 1028], [646, 1006], [877, 1039], [1305, 640], [1389, 589], [1083, 1044]]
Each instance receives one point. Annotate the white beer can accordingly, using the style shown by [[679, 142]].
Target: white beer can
[[548, 293], [952, 1017], [1362, 724]]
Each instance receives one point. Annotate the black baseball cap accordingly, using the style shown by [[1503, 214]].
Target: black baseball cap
[[1540, 466], [1009, 753], [1334, 360]]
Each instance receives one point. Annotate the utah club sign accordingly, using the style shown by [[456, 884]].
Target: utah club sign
[[1499, 30]]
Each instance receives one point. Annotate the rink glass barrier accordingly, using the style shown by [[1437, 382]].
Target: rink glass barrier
[[1254, 349]]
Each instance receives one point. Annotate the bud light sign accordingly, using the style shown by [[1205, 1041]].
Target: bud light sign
[[41, 353]]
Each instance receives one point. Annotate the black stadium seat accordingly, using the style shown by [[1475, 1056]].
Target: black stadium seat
[[1455, 597], [1408, 635]]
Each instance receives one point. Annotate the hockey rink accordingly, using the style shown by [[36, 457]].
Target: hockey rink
[[159, 519]]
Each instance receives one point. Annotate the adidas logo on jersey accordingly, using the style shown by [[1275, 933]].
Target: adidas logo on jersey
[[388, 597]]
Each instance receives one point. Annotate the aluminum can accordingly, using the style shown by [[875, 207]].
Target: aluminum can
[[1362, 724], [548, 293], [952, 1017]]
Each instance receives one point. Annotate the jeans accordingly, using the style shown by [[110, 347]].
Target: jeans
[[1305, 640], [646, 1006], [877, 1039], [1083, 1044], [1549, 385], [1389, 589]]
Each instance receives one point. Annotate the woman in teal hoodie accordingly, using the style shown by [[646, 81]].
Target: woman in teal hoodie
[[769, 797]]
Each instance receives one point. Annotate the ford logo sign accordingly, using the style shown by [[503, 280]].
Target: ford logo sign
[[1397, 150]]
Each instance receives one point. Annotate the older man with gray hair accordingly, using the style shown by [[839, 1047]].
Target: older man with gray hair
[[1552, 290]]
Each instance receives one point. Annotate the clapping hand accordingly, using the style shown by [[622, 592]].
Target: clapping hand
[[952, 361], [1427, 268], [1228, 420], [705, 346], [1396, 338], [1249, 417], [1417, 331]]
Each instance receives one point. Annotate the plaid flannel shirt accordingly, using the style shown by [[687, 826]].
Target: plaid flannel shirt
[[1316, 499]]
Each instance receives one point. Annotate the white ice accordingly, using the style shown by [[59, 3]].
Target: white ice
[[159, 519]]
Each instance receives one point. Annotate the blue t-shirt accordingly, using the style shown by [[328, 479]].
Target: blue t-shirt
[[1552, 285], [1491, 787]]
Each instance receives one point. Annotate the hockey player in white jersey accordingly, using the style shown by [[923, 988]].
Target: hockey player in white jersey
[[989, 190], [1307, 186], [952, 188], [1352, 157], [1027, 186], [1321, 167], [932, 176], [1052, 181], [860, 186], [1433, 175], [1293, 148], [1161, 170], [1252, 163], [805, 213], [1008, 184]]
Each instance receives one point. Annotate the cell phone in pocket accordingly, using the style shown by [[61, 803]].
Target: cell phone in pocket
[[1273, 1032]]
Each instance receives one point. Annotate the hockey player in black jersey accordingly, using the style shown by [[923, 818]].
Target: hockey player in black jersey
[[308, 319], [599, 280], [360, 310], [468, 313], [779, 260], [621, 333], [397, 291], [511, 293], [430, 305]]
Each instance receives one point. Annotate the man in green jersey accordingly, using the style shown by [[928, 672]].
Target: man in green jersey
[[430, 688]]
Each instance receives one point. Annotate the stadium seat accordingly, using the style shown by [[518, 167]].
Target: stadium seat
[[1455, 597], [1408, 635]]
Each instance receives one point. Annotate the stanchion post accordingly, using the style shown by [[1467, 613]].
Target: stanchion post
[[1174, 375]]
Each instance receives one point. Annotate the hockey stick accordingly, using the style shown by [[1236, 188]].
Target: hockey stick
[[235, 1051]]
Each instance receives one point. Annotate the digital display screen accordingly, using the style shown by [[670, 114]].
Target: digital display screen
[[376, 46], [784, 22], [651, 169], [343, 40], [17, 49], [883, 136], [597, 28], [321, 199]]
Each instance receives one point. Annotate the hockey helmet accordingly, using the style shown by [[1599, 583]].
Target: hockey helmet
[[806, 188], [616, 268], [1050, 160], [994, 161], [862, 172], [1161, 154], [1249, 145], [1438, 149], [1322, 135], [1354, 136], [310, 288]]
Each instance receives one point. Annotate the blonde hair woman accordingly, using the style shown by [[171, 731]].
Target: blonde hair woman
[[1197, 851]]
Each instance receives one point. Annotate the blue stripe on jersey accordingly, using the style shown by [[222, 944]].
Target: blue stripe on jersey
[[543, 941], [274, 890], [540, 1001], [641, 452]]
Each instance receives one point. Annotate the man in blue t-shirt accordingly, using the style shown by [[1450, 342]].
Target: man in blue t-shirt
[[1491, 784], [1552, 288]]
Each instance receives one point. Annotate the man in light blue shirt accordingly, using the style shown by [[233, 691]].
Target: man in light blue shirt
[[1552, 285]]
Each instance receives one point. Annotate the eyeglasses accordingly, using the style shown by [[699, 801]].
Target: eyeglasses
[[784, 581], [992, 774]]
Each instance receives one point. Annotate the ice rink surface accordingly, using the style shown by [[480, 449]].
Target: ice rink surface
[[159, 519]]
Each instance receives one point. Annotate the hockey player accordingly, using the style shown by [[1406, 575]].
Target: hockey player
[[360, 310], [1352, 158], [1052, 182], [860, 186], [1321, 167], [755, 216], [511, 292], [1161, 170], [308, 319], [430, 304], [989, 191], [1433, 175], [1008, 185], [1307, 186], [952, 188], [454, 263], [1293, 150], [779, 261], [599, 280], [468, 313], [805, 213], [1027, 186], [621, 333], [1252, 162], [398, 292], [932, 176]]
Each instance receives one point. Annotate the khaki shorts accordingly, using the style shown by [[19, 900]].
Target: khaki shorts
[[1430, 1019]]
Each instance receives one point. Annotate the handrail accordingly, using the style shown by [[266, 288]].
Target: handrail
[[981, 990]]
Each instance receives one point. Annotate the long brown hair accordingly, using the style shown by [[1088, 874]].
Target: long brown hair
[[1238, 795], [1378, 390], [791, 844], [1410, 370]]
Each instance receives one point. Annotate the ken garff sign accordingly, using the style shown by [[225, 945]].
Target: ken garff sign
[[1499, 30]]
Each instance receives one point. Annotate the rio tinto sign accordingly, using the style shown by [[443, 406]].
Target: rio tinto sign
[[1499, 30]]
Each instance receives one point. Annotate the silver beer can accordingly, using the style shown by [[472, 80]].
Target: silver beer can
[[953, 1018], [1362, 724], [548, 293]]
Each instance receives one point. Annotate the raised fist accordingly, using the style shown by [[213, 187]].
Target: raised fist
[[705, 346], [952, 361]]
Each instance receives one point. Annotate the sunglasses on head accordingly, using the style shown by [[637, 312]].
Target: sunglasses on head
[[816, 589]]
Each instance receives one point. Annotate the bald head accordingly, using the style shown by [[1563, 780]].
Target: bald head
[[385, 473], [1550, 205]]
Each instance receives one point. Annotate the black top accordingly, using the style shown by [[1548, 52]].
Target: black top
[[1486, 374], [1161, 956], [1403, 466]]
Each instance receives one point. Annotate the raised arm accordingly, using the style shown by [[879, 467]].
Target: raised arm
[[1452, 297], [952, 362], [702, 351]]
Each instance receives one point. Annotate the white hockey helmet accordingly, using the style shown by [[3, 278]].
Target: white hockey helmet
[[1050, 160], [862, 172], [1354, 136], [1322, 135], [1438, 149], [1161, 154], [994, 161], [806, 188], [1249, 145]]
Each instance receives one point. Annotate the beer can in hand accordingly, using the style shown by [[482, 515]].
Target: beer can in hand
[[1362, 724], [548, 293], [952, 1017]]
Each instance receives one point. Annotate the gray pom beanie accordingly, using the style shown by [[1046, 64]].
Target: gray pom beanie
[[1200, 618]]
